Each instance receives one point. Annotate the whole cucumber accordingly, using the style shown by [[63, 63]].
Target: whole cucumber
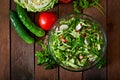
[[19, 28], [22, 13]]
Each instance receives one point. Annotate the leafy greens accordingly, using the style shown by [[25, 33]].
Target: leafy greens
[[43, 57], [84, 4]]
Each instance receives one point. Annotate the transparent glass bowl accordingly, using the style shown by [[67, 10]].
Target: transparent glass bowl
[[83, 16]]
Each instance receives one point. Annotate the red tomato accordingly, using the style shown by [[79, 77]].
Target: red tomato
[[46, 20], [65, 1]]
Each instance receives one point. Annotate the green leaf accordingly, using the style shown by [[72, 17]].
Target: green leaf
[[84, 4], [40, 42], [75, 7], [101, 63], [44, 57]]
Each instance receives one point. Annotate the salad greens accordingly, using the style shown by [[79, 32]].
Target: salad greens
[[36, 5], [76, 42], [84, 4]]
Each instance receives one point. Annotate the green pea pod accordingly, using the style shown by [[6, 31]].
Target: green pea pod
[[22, 13], [18, 26]]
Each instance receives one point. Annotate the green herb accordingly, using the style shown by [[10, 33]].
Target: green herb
[[43, 57], [84, 4], [101, 63], [40, 43], [75, 6]]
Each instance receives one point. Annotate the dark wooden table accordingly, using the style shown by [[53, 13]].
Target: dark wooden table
[[17, 61]]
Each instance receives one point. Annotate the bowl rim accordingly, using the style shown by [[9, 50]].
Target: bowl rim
[[103, 34]]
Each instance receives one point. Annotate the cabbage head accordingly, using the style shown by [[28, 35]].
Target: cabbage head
[[36, 5]]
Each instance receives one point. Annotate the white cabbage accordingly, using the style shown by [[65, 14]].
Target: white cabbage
[[36, 5]]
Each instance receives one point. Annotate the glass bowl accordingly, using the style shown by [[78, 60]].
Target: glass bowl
[[77, 42]]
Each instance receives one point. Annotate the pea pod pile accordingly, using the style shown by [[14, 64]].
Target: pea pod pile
[[76, 42]]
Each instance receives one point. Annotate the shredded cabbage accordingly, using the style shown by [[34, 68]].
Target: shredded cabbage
[[36, 5]]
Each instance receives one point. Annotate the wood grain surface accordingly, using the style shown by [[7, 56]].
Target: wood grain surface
[[113, 31], [4, 41], [17, 60]]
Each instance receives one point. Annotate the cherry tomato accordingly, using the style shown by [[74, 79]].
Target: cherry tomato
[[65, 1], [46, 20]]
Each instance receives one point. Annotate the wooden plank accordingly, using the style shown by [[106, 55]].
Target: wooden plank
[[94, 73], [68, 75], [4, 41], [22, 57], [113, 30], [40, 72], [65, 9]]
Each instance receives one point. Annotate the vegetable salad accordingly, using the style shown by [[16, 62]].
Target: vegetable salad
[[76, 42]]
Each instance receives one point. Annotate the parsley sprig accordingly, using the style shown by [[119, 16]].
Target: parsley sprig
[[84, 4], [43, 57]]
